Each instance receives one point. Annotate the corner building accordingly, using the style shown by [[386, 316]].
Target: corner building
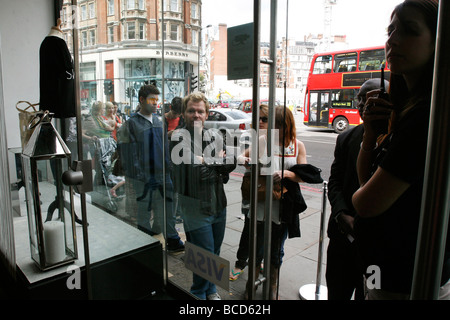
[[121, 47]]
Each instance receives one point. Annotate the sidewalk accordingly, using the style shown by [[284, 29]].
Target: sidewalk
[[300, 261]]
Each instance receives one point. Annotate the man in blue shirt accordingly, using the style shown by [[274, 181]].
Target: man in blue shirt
[[145, 158]]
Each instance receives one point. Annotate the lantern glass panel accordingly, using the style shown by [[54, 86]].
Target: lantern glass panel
[[49, 202], [50, 210], [33, 229]]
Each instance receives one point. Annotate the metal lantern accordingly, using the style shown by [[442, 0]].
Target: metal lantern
[[44, 160]]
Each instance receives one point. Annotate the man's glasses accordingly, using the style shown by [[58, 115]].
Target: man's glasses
[[152, 100], [264, 119]]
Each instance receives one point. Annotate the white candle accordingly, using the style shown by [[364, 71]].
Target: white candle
[[55, 249]]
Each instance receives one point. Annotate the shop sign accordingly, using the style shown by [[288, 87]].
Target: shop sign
[[240, 52], [207, 265], [173, 53]]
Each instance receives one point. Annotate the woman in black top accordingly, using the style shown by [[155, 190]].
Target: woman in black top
[[391, 175]]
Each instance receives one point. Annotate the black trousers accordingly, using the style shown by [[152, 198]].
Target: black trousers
[[344, 273]]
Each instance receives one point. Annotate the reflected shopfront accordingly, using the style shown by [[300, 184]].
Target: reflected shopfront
[[127, 218], [136, 211]]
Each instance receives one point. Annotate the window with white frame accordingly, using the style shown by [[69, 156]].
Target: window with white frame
[[110, 34], [110, 7], [83, 12], [194, 37], [84, 38], [142, 31], [131, 30], [174, 32], [131, 4], [194, 11], [134, 30], [135, 4], [92, 10], [174, 5], [91, 37]]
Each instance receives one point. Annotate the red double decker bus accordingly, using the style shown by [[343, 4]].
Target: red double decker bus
[[333, 83]]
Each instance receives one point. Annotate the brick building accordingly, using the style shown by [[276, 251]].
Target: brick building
[[121, 45]]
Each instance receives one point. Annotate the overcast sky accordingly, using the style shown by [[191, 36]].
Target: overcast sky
[[363, 21]]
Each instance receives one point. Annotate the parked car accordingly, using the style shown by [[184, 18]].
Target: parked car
[[246, 105], [222, 104], [235, 122], [234, 104], [212, 104]]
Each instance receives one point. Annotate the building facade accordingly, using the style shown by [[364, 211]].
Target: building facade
[[293, 62]]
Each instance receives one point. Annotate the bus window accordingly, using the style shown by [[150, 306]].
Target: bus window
[[319, 108], [322, 65], [344, 98], [345, 62], [371, 60], [313, 107]]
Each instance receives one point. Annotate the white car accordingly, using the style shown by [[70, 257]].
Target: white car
[[230, 121]]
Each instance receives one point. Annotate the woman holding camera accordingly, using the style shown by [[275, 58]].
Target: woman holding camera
[[391, 174]]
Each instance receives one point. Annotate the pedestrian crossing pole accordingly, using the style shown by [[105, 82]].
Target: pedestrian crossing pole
[[317, 291]]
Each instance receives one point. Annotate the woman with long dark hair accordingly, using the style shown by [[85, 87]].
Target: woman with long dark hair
[[288, 152], [391, 166]]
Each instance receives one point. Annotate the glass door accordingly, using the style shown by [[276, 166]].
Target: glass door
[[319, 108], [165, 209]]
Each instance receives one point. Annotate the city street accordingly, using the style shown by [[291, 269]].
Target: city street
[[319, 144], [301, 254]]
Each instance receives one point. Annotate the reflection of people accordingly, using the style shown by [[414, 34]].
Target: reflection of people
[[111, 118], [243, 250], [391, 177], [343, 272], [94, 128], [118, 116], [99, 128], [142, 146], [173, 117], [199, 184], [285, 222]]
